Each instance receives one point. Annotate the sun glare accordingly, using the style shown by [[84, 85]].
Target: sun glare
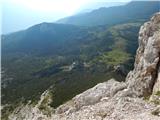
[[63, 6]]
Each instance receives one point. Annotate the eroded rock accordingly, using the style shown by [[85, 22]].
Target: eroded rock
[[144, 76]]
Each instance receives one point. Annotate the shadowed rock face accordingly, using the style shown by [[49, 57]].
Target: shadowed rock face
[[114, 100]]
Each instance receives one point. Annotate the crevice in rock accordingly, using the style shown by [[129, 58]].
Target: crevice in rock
[[155, 74], [155, 77]]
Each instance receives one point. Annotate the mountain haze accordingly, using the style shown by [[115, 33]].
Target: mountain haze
[[132, 11], [95, 5]]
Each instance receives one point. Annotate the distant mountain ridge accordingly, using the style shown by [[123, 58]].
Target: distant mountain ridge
[[97, 5], [42, 38], [115, 15]]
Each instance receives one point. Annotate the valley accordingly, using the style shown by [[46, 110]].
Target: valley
[[70, 57]]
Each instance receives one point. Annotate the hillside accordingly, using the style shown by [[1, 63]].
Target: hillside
[[60, 60], [71, 59], [131, 12], [138, 98], [43, 38]]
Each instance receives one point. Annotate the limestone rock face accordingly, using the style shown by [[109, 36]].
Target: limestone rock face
[[27, 112], [108, 104], [146, 69], [100, 92], [113, 100]]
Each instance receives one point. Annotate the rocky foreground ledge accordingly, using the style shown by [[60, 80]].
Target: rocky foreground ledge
[[136, 99]]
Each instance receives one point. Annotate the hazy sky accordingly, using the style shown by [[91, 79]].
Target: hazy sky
[[20, 14]]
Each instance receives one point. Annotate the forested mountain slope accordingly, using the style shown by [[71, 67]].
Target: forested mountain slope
[[70, 58], [133, 11]]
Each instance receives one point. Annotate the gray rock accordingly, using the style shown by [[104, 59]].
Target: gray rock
[[144, 76]]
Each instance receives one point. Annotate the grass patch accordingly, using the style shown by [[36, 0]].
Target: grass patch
[[146, 98], [114, 57], [158, 93]]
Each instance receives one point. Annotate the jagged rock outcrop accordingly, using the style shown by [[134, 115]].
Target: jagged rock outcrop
[[144, 76], [114, 100]]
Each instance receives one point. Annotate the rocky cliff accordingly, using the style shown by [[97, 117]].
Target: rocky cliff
[[136, 99], [145, 74]]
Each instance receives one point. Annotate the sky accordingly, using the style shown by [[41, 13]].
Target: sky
[[20, 14]]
